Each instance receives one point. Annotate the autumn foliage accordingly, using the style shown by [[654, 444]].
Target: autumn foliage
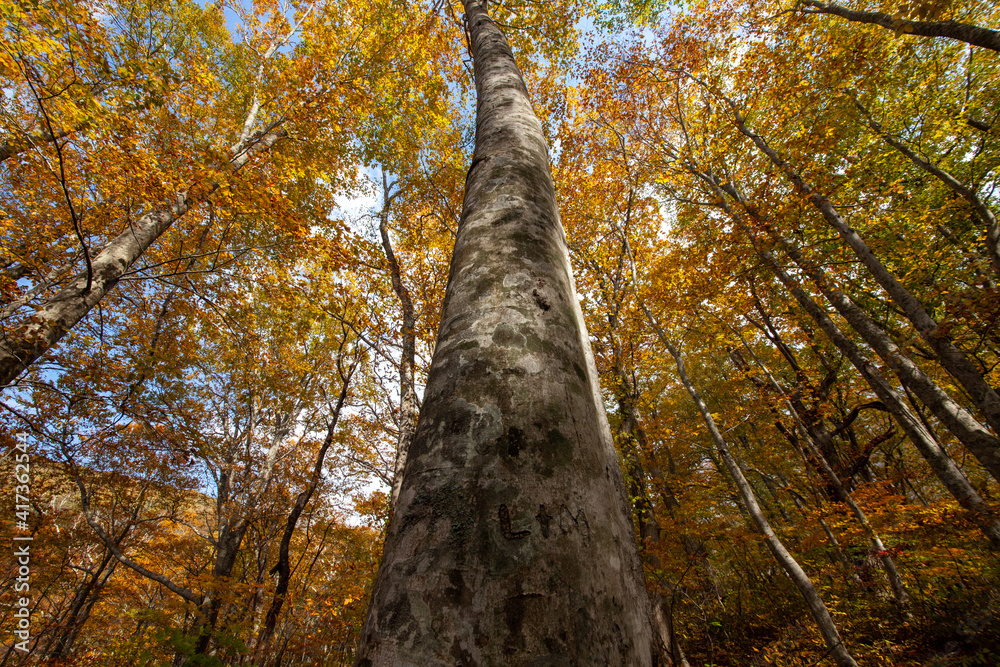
[[248, 360]]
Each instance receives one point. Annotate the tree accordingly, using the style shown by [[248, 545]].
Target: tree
[[511, 539], [814, 602], [208, 489], [949, 28]]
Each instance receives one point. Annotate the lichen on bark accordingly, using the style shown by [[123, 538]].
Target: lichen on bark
[[511, 541]]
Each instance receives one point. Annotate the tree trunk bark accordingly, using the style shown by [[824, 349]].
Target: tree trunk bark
[[511, 541], [43, 329], [943, 466], [962, 32], [949, 356], [408, 355]]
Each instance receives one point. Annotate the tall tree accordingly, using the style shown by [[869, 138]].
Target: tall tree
[[511, 540]]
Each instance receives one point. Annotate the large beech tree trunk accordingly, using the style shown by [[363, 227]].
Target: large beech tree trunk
[[511, 541]]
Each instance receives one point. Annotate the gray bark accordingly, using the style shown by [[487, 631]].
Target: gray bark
[[820, 614], [949, 356], [408, 355], [943, 466], [962, 32], [43, 329], [663, 621], [511, 541]]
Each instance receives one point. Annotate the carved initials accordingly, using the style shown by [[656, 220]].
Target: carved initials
[[568, 522], [544, 519], [565, 519], [506, 528]]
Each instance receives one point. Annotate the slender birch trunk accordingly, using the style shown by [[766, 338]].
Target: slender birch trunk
[[511, 542]]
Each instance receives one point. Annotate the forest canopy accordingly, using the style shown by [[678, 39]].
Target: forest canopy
[[226, 234]]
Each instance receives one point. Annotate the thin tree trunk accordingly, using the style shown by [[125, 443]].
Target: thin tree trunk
[[79, 610], [943, 466], [817, 608], [283, 567], [230, 539], [407, 361], [632, 445], [20, 348], [962, 32], [983, 444], [511, 542], [663, 621], [985, 213], [895, 581], [949, 356]]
